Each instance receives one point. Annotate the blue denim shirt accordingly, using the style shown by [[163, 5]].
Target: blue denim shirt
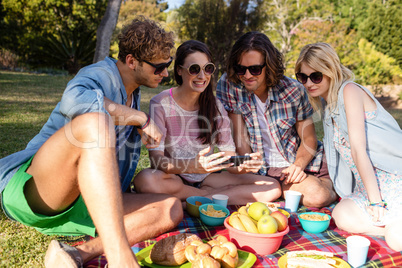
[[84, 94], [383, 139]]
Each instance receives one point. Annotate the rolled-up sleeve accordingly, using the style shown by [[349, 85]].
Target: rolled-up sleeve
[[84, 94]]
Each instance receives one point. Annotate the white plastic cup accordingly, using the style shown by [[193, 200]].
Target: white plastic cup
[[292, 200], [357, 250], [220, 199]]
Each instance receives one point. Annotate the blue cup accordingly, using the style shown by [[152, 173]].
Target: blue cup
[[292, 200], [220, 199]]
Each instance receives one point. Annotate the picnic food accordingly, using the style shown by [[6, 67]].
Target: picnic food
[[248, 223], [271, 205], [220, 250], [310, 258], [314, 217], [205, 261], [211, 211], [281, 220], [170, 250], [257, 209], [267, 224]]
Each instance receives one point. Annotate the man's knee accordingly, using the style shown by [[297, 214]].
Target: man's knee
[[91, 130], [147, 181], [319, 197]]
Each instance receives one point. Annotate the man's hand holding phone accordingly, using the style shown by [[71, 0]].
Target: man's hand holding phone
[[247, 163]]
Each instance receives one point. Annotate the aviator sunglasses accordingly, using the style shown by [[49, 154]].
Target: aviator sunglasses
[[195, 69], [254, 69], [315, 77], [159, 68]]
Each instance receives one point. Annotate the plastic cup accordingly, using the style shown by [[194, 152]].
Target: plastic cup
[[292, 200], [220, 199], [357, 250]]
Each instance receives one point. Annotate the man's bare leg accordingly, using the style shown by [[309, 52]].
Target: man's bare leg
[[81, 158], [146, 216]]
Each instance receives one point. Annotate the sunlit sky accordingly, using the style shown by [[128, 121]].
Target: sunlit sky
[[175, 3]]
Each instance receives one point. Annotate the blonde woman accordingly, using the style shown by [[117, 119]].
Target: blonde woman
[[362, 143]]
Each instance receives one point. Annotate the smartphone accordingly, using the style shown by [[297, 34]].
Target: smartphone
[[236, 160]]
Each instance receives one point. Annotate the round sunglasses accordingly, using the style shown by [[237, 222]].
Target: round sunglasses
[[195, 69], [315, 77], [253, 69], [159, 68]]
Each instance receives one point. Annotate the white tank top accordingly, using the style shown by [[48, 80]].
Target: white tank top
[[273, 157]]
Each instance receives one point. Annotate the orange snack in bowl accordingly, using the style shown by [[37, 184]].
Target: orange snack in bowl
[[198, 203]]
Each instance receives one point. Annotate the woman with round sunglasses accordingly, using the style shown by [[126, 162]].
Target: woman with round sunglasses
[[362, 143], [194, 124]]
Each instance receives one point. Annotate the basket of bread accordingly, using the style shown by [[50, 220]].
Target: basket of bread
[[182, 248]]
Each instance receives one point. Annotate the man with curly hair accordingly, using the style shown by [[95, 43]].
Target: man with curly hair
[[73, 177], [271, 114]]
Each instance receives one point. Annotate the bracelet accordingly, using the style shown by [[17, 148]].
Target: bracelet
[[146, 123], [381, 204]]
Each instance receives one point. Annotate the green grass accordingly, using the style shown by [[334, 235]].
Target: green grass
[[26, 101]]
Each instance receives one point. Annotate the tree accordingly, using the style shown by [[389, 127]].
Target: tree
[[33, 24], [383, 27], [337, 34], [105, 30], [285, 16], [376, 68], [218, 23]]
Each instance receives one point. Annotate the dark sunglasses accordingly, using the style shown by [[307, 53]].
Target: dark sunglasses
[[315, 77], [195, 69], [254, 69], [159, 68]]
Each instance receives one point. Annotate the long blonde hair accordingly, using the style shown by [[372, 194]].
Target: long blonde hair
[[323, 58]]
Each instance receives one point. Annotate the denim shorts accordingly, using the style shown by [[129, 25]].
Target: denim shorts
[[73, 221]]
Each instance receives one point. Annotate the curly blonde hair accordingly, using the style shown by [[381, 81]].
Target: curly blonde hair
[[322, 57], [145, 39]]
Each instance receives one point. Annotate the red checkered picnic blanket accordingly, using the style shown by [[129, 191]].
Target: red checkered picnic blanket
[[332, 240]]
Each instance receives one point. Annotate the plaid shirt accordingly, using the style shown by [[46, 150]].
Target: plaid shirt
[[287, 103]]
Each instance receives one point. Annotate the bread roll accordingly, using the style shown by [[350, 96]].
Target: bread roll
[[223, 252], [170, 250], [205, 261]]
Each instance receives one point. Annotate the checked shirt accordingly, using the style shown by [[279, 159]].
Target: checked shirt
[[287, 103]]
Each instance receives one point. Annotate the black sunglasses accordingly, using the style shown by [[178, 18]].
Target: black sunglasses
[[159, 68], [315, 77], [254, 69], [195, 69]]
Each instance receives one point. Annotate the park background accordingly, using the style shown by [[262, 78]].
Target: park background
[[43, 43]]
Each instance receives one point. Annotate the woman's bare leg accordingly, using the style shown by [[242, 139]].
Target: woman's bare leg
[[242, 188], [157, 181], [349, 217]]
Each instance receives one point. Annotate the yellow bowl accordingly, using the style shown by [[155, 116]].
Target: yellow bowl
[[192, 208]]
